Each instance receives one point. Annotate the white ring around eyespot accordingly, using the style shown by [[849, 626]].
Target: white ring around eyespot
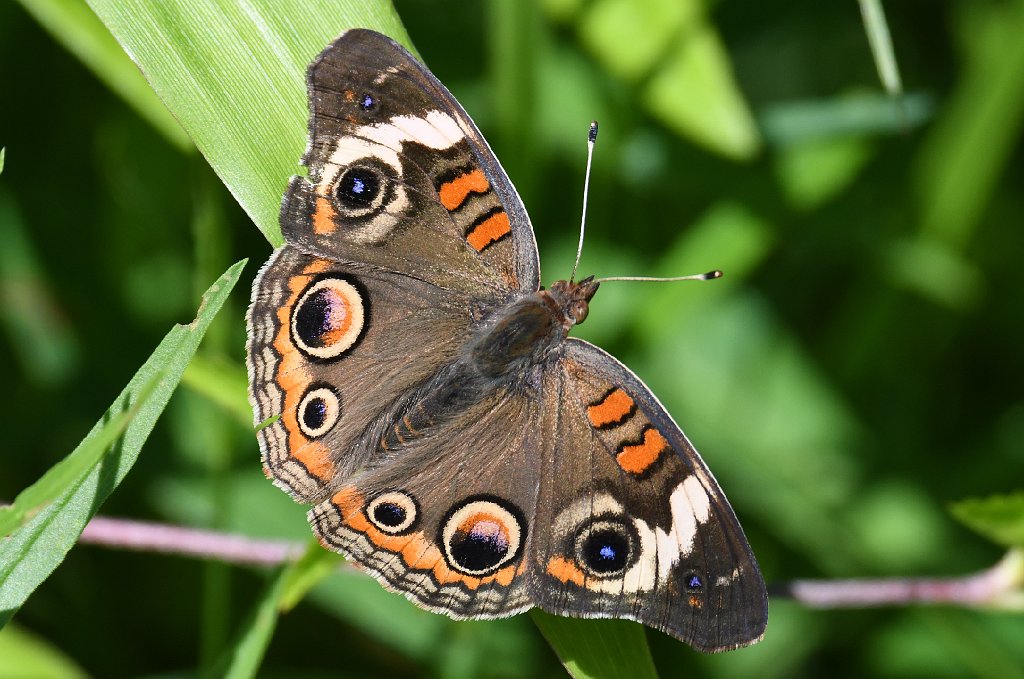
[[500, 515], [333, 403], [353, 302], [399, 499]]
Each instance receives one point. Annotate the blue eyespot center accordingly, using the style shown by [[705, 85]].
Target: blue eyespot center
[[358, 187], [605, 551]]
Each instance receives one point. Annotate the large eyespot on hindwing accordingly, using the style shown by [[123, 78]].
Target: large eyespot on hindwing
[[329, 317], [606, 547], [481, 534], [393, 512]]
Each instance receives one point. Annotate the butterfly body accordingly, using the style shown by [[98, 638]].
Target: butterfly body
[[453, 440]]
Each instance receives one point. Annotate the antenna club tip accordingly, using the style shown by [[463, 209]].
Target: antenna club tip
[[592, 134], [711, 275]]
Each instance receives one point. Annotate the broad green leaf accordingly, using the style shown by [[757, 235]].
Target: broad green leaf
[[598, 649], [998, 517], [32, 552], [73, 24], [234, 75]]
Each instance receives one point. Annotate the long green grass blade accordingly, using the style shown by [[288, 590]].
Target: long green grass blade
[[233, 74], [33, 551], [880, 40]]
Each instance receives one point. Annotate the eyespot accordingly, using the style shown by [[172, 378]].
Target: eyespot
[[693, 582], [358, 188], [367, 102], [393, 512], [606, 548], [328, 318], [482, 534], [319, 410], [365, 190]]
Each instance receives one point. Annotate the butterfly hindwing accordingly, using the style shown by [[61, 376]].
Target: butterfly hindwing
[[447, 519]]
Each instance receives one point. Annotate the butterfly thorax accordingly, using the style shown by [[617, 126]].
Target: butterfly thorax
[[527, 331]]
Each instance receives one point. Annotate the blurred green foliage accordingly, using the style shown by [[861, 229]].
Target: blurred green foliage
[[857, 369]]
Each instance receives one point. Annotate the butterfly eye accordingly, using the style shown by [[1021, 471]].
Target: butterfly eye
[[605, 548], [393, 512], [579, 310]]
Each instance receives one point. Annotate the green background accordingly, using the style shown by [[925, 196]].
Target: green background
[[858, 368]]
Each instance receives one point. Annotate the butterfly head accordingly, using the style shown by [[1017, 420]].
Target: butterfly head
[[573, 298]]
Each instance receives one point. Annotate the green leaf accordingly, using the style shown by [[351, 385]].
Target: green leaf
[[32, 552], [77, 28], [998, 517], [234, 75], [604, 649]]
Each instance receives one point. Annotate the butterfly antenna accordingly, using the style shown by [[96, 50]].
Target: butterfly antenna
[[710, 275], [591, 138]]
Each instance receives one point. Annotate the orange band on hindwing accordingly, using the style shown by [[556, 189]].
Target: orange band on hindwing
[[453, 193], [293, 378], [488, 229], [637, 458], [613, 409], [417, 551]]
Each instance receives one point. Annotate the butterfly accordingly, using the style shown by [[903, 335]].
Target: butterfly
[[451, 438]]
